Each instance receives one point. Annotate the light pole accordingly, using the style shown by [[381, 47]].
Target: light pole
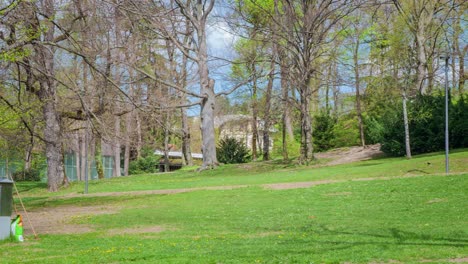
[[446, 56]]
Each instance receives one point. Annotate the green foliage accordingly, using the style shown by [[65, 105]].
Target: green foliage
[[459, 123], [230, 151], [426, 125], [27, 175], [374, 130], [346, 132], [323, 132], [148, 164]]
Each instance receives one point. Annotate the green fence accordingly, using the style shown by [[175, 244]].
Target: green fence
[[71, 170], [13, 166], [70, 166]]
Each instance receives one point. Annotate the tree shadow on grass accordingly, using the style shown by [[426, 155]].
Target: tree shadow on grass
[[394, 236]]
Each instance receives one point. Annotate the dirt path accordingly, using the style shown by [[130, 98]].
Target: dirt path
[[351, 154]]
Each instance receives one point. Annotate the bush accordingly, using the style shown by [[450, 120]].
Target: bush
[[27, 175], [324, 133], [148, 164], [230, 151], [426, 116]]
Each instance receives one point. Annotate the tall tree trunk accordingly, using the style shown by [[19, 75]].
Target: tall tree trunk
[[186, 149], [406, 124], [335, 90], [139, 138], [358, 88], [254, 116], [98, 156], [166, 142], [209, 97], [53, 138], [128, 132], [266, 118], [47, 95], [186, 137], [287, 131], [306, 122], [117, 146]]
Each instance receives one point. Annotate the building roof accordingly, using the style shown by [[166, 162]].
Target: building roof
[[178, 154]]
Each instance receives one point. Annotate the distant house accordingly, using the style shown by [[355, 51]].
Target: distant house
[[240, 128]]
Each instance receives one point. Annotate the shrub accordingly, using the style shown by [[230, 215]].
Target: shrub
[[27, 175], [426, 116], [230, 151], [148, 164], [324, 133]]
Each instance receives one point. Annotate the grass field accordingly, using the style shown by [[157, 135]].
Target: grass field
[[391, 218]]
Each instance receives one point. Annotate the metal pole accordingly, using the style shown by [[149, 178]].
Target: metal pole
[[446, 116]]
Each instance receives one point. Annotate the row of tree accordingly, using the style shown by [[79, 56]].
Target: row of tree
[[126, 71]]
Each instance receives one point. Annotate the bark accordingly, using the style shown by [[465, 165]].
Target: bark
[[287, 131], [406, 123], [117, 146], [266, 118], [306, 123], [138, 130], [28, 155], [207, 91], [422, 61], [166, 141], [186, 141], [358, 88], [53, 137], [98, 156], [128, 131], [186, 150], [254, 116], [460, 53], [48, 96]]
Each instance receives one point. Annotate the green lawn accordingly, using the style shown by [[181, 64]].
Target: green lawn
[[406, 220]]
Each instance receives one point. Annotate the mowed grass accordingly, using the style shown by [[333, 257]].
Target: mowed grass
[[407, 220], [257, 173]]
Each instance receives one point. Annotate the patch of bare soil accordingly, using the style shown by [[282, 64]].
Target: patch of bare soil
[[351, 154], [150, 192], [296, 185], [61, 220]]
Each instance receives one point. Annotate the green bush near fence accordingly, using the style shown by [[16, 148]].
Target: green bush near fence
[[27, 175]]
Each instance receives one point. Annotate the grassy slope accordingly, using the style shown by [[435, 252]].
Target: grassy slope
[[271, 172], [406, 220]]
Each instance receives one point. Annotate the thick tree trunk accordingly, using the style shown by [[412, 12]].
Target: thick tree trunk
[[306, 123], [47, 95], [209, 100], [53, 138]]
